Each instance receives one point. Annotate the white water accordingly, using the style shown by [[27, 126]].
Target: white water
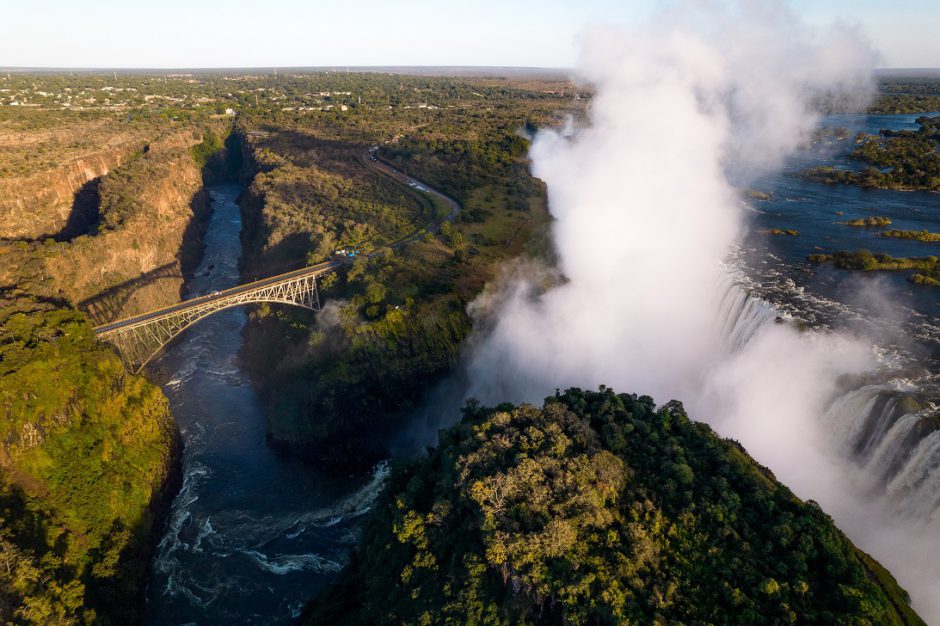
[[888, 471], [916, 488], [740, 316], [646, 215], [875, 441], [251, 535]]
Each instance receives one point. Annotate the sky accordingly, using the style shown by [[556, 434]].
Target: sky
[[286, 33]]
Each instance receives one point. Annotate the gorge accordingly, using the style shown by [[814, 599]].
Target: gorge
[[754, 344]]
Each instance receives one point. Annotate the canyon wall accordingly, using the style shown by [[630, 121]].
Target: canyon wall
[[46, 168], [138, 260], [143, 232]]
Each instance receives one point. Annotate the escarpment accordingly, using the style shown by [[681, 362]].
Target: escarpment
[[135, 262], [39, 193], [40, 205], [106, 218], [149, 214]]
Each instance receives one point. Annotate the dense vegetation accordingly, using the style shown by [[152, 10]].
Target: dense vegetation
[[341, 383], [929, 266], [907, 94], [312, 196], [87, 451], [875, 221], [896, 160], [397, 319], [467, 159], [599, 508], [905, 103], [917, 235]]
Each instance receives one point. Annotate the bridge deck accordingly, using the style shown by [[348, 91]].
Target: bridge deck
[[311, 270]]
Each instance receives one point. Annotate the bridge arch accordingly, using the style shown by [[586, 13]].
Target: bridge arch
[[140, 338]]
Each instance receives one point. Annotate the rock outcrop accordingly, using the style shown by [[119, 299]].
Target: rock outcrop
[[150, 215]]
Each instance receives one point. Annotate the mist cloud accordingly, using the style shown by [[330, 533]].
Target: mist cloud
[[645, 218]]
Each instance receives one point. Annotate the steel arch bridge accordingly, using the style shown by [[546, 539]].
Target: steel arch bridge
[[140, 338]]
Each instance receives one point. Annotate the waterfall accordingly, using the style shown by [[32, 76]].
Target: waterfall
[[740, 315], [882, 425], [916, 487], [846, 418], [868, 423], [891, 450]]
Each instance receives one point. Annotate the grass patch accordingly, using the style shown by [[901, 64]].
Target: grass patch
[[865, 261], [868, 222], [916, 235]]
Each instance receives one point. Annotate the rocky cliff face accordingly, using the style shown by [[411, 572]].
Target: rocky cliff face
[[136, 262], [150, 214], [39, 204]]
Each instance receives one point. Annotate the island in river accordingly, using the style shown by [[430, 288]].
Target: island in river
[[105, 215]]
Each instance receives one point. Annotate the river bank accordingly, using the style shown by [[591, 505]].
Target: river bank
[[252, 534], [338, 388]]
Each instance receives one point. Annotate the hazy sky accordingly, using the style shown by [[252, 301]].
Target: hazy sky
[[238, 33]]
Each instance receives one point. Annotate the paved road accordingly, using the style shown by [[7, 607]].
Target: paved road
[[130, 321], [400, 176], [381, 167]]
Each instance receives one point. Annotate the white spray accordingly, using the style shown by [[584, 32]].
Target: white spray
[[645, 219]]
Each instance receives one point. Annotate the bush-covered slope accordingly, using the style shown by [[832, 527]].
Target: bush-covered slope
[[336, 388], [48, 157], [86, 455], [600, 509]]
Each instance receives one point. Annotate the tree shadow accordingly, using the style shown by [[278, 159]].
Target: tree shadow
[[288, 254], [118, 593], [25, 539], [13, 292], [304, 150], [25, 525], [113, 583]]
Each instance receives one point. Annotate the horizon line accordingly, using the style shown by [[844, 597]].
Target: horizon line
[[344, 68], [336, 67]]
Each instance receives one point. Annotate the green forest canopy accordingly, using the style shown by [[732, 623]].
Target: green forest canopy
[[599, 508]]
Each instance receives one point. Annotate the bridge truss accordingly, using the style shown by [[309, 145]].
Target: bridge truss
[[140, 338]]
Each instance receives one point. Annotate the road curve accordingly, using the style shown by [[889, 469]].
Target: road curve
[[396, 174], [381, 167]]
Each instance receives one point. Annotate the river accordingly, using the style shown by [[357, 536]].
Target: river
[[252, 535], [827, 295]]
